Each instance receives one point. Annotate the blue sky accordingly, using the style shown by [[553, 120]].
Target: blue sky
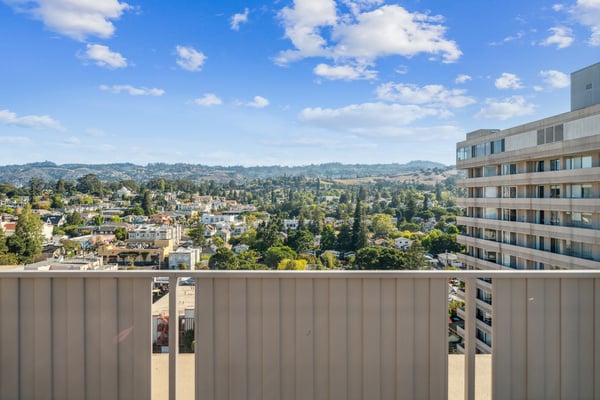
[[279, 82]]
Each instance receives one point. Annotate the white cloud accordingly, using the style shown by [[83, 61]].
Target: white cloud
[[238, 19], [428, 94], [258, 102], [392, 30], [29, 121], [104, 57], [344, 72], [209, 99], [302, 26], [558, 7], [134, 91], [555, 79], [189, 58], [75, 19], [462, 78], [508, 81], [561, 36], [369, 119], [587, 13], [362, 36], [515, 106]]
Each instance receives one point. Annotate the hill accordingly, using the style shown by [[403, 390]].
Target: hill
[[49, 171]]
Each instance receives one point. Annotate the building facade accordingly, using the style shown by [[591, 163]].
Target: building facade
[[533, 195]]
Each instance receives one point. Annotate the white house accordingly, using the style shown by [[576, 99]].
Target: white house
[[402, 243], [189, 256]]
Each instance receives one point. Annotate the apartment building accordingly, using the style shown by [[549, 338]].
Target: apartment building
[[533, 194]]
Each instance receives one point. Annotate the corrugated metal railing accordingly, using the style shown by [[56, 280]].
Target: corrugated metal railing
[[297, 335]]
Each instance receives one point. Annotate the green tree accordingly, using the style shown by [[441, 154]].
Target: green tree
[[378, 257], [75, 219], [410, 209], [344, 238], [301, 240], [329, 260], [381, 225], [287, 264], [328, 238], [98, 220], [60, 186], [90, 184], [70, 247], [437, 242], [3, 247], [147, 203], [359, 232], [121, 233], [197, 235], [223, 259], [27, 240], [275, 254]]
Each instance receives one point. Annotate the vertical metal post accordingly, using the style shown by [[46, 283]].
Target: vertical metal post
[[173, 337], [470, 308]]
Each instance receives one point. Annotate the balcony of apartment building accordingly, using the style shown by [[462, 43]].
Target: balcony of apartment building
[[299, 335]]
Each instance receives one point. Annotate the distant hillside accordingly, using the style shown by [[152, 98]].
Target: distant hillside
[[49, 171]]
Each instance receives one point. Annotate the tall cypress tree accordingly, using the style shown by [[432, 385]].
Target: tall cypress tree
[[359, 232]]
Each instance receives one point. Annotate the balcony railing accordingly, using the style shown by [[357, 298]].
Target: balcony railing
[[301, 335]]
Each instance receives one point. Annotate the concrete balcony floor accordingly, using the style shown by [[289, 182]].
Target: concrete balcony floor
[[185, 377]]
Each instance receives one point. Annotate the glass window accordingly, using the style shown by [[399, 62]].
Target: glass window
[[558, 133], [509, 169], [540, 166], [586, 191], [554, 191], [555, 165], [550, 134], [586, 162], [540, 136]]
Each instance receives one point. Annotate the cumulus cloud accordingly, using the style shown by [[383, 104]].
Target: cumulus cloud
[[134, 91], [561, 36], [75, 19], [364, 35], [587, 13], [344, 72], [377, 119], [258, 102], [462, 78], [104, 57], [555, 79], [515, 106], [208, 99], [29, 121], [303, 24], [238, 19], [508, 81], [189, 58], [392, 30], [428, 94]]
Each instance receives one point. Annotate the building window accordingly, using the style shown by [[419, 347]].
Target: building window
[[583, 191], [554, 191], [554, 218], [509, 169], [555, 165], [578, 162], [540, 166], [540, 192]]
